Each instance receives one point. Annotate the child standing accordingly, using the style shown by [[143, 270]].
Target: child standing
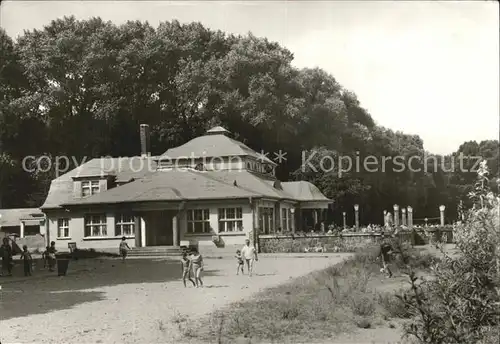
[[241, 263], [197, 264], [52, 255], [124, 248], [45, 257], [186, 269], [27, 261]]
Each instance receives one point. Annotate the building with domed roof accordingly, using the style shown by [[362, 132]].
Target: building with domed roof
[[211, 186]]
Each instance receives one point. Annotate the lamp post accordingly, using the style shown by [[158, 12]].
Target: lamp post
[[356, 215], [441, 214], [426, 219], [344, 219], [410, 216], [396, 215]]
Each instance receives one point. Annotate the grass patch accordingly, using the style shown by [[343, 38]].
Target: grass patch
[[393, 305], [316, 306]]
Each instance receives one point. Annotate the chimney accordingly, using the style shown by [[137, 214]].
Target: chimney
[[145, 141]]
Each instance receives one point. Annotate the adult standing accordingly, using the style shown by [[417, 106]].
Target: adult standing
[[250, 255], [7, 261]]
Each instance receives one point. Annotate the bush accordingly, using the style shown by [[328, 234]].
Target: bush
[[362, 304], [460, 303], [394, 305]]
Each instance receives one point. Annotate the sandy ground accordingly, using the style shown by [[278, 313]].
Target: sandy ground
[[105, 301]]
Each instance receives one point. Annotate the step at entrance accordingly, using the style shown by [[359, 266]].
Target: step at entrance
[[155, 251]]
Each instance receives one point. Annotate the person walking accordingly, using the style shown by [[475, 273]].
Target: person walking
[[385, 255], [6, 252], [250, 255], [241, 263], [186, 269], [197, 265], [123, 248]]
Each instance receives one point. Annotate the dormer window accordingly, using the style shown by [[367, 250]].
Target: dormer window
[[268, 169], [90, 187]]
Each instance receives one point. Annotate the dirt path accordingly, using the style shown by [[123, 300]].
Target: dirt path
[[104, 301]]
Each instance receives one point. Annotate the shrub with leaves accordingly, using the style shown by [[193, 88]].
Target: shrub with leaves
[[460, 303]]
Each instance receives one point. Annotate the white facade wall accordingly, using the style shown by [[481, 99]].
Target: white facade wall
[[77, 230], [111, 242], [234, 238]]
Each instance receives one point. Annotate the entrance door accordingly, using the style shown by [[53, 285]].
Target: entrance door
[[159, 229]]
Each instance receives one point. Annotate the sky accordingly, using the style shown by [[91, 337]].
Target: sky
[[426, 68]]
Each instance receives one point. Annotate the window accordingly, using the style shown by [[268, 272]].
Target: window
[[266, 220], [62, 228], [124, 225], [90, 187], [95, 225], [198, 221], [286, 219], [230, 220]]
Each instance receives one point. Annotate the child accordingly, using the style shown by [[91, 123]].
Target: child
[[27, 260], [385, 254], [124, 249], [241, 263], [186, 269], [52, 255], [198, 265], [45, 257]]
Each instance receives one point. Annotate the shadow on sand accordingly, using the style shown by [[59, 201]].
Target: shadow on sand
[[46, 293], [216, 286]]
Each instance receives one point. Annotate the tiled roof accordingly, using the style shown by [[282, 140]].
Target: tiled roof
[[259, 184], [175, 185], [304, 191], [61, 188], [214, 144], [143, 182], [13, 217]]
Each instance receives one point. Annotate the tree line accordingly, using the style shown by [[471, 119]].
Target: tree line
[[81, 89]]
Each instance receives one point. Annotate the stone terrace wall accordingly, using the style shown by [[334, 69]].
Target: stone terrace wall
[[345, 242], [348, 242]]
